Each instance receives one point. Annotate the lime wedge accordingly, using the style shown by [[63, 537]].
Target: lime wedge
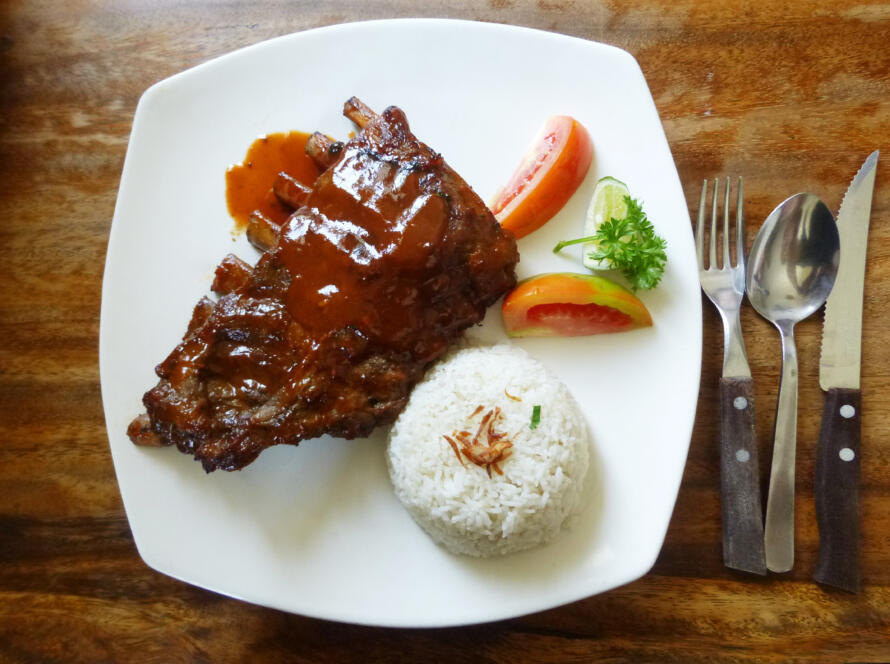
[[607, 203]]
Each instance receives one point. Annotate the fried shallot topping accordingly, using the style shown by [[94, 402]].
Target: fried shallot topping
[[488, 447]]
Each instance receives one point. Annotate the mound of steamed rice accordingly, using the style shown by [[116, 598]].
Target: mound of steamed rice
[[460, 506]]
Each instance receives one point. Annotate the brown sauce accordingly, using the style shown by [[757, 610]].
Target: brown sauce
[[361, 252], [249, 184]]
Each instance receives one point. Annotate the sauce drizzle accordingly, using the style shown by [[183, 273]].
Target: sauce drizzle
[[249, 184]]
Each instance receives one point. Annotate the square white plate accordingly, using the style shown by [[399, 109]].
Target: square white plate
[[316, 530]]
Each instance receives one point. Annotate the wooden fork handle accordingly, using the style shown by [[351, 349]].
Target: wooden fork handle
[[740, 478]]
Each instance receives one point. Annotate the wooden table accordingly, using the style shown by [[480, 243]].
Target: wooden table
[[793, 95]]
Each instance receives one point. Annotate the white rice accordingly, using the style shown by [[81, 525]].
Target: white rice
[[460, 507]]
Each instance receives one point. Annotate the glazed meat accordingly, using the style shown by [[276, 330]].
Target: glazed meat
[[390, 258]]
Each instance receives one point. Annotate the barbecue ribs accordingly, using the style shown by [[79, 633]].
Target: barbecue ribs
[[390, 258]]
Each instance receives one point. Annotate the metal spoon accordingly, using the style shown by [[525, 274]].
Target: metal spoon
[[791, 270]]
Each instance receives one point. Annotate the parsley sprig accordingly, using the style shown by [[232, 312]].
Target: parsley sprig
[[629, 245]]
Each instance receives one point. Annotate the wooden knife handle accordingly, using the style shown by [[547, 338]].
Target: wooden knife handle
[[740, 478], [837, 490]]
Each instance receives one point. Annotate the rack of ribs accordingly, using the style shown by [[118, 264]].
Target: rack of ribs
[[388, 259]]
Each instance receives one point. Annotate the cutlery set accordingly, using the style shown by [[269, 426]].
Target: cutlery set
[[799, 259]]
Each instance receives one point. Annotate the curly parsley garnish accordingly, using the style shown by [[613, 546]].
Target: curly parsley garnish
[[629, 245]]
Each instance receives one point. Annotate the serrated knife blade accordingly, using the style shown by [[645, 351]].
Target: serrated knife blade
[[842, 332], [837, 456]]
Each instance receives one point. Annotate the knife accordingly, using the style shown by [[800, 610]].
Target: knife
[[837, 455]]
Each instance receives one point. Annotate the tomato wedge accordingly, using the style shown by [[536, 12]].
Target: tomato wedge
[[564, 304], [549, 174]]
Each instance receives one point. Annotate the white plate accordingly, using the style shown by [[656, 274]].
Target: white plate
[[316, 530]]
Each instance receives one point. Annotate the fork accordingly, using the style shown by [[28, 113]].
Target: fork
[[739, 473]]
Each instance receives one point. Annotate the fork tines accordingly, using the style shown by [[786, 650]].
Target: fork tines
[[739, 248]]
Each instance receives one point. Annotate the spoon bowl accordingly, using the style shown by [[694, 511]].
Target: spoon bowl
[[793, 261], [791, 271]]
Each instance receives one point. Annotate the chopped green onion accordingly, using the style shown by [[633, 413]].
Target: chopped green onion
[[536, 417]]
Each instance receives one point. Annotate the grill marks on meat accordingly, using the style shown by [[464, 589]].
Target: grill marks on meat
[[390, 258]]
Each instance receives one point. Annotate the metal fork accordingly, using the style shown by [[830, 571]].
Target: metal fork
[[739, 473]]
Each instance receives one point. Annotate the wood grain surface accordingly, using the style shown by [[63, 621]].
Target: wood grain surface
[[793, 95]]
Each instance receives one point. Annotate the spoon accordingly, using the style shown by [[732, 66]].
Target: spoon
[[791, 270]]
